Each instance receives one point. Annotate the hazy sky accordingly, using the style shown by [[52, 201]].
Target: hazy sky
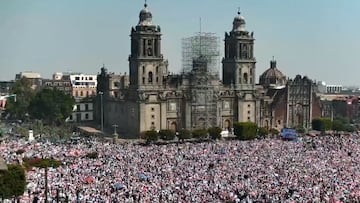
[[317, 38]]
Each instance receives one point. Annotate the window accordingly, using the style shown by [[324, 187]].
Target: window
[[149, 42], [77, 78], [86, 107], [143, 69], [153, 116], [152, 123], [248, 118], [90, 78], [76, 93], [226, 105], [172, 107], [245, 78], [152, 109], [78, 107], [149, 52], [150, 77], [249, 105], [70, 117], [87, 116], [87, 93], [248, 112], [157, 79], [157, 69], [143, 80], [81, 93]]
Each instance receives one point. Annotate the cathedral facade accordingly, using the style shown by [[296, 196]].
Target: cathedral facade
[[155, 99]]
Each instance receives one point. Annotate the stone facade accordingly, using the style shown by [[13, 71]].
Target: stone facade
[[155, 99]]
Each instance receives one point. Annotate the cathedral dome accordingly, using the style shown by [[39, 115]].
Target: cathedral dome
[[145, 17], [272, 76], [239, 23]]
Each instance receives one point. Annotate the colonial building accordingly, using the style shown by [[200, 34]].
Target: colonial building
[[82, 87], [156, 99], [287, 103]]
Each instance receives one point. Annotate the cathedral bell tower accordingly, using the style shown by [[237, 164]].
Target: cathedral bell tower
[[146, 63], [239, 61]]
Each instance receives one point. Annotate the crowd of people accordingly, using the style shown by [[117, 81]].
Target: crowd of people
[[319, 169]]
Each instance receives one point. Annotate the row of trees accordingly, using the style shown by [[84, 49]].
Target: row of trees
[[338, 124], [183, 134], [243, 131], [50, 105]]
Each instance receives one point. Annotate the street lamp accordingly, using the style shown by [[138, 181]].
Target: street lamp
[[102, 110]]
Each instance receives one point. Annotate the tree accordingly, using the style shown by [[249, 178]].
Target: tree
[[262, 132], [274, 131], [12, 181], [151, 136], [184, 134], [199, 133], [167, 134], [338, 125], [215, 132], [321, 124], [18, 109], [52, 106], [245, 130]]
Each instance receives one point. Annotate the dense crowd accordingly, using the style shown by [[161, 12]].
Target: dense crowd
[[321, 169]]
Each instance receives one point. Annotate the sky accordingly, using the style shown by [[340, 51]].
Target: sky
[[316, 38]]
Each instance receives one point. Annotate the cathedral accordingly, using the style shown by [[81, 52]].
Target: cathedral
[[152, 98]]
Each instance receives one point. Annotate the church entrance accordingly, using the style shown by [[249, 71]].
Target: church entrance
[[173, 126]]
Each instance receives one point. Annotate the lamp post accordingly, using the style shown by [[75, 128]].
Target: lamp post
[[102, 110]]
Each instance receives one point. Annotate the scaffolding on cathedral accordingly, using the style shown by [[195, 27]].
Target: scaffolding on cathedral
[[201, 44]]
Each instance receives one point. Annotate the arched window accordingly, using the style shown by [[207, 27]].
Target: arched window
[[157, 69], [150, 77], [245, 78], [143, 69]]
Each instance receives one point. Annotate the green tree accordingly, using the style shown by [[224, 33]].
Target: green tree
[[184, 134], [167, 134], [18, 109], [215, 132], [262, 132], [12, 181], [151, 136], [245, 130], [199, 133], [338, 125], [321, 124], [274, 131], [51, 106]]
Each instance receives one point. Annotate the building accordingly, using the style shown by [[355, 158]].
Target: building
[[287, 102], [155, 99], [84, 92], [60, 82], [34, 78], [5, 87], [323, 88], [82, 87]]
